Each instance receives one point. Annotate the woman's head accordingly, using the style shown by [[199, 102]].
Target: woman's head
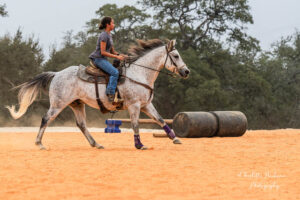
[[106, 22]]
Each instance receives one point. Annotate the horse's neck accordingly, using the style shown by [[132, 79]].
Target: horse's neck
[[153, 60]]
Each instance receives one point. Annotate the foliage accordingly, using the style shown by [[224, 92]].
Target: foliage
[[3, 12], [130, 23], [192, 21], [281, 68], [228, 69], [20, 60]]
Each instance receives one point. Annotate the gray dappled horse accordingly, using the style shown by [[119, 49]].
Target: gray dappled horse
[[66, 89]]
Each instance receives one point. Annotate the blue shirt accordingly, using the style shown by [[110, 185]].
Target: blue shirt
[[104, 37]]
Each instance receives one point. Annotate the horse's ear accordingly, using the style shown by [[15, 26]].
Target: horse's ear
[[171, 45], [174, 42]]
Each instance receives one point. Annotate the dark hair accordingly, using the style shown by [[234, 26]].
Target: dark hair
[[104, 22]]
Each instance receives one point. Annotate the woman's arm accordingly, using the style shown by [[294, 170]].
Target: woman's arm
[[107, 54], [113, 51]]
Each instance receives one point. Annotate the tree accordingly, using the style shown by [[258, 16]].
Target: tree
[[281, 68], [200, 28], [3, 12], [193, 21], [264, 86], [130, 24], [20, 60]]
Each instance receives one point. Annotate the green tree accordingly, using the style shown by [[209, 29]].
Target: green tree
[[3, 12], [130, 24], [224, 76], [281, 68], [193, 21], [201, 27], [75, 50], [20, 60]]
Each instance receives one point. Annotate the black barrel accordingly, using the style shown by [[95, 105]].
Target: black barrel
[[194, 124], [231, 123], [209, 124]]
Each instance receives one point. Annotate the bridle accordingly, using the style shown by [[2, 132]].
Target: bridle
[[150, 68], [172, 61]]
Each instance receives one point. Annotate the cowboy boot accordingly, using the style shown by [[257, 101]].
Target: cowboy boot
[[117, 99], [113, 98]]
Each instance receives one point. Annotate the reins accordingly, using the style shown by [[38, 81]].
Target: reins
[[167, 73], [150, 68]]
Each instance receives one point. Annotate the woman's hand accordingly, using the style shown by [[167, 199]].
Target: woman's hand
[[122, 57], [126, 56]]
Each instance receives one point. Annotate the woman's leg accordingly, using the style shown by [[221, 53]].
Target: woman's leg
[[106, 66]]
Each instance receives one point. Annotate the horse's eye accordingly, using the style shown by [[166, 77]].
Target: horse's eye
[[176, 56]]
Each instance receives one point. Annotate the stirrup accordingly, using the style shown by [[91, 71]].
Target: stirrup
[[116, 99]]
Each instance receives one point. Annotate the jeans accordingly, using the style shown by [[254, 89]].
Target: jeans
[[106, 66]]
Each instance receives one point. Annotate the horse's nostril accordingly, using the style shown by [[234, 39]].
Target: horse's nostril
[[187, 72]]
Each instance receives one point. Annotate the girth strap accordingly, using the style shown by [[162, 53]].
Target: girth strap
[[142, 84], [102, 108]]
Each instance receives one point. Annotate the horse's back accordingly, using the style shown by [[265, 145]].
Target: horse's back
[[71, 70], [64, 82]]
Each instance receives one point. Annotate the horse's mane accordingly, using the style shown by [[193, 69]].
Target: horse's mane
[[142, 47]]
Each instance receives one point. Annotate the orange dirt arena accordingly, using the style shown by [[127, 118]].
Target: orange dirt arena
[[259, 165]]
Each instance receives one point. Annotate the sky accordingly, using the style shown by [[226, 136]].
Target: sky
[[49, 20]]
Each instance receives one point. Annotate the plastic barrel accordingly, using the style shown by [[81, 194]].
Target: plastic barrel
[[230, 123], [194, 124], [209, 124]]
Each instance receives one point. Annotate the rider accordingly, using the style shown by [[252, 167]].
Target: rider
[[104, 49]]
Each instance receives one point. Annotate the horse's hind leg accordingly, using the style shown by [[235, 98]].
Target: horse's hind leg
[[79, 110], [50, 116]]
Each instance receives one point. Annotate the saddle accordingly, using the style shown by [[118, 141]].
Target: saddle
[[90, 72], [97, 76]]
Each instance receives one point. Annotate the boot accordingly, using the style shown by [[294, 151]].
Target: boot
[[113, 98]]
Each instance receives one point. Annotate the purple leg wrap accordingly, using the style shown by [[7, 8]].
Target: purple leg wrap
[[137, 142], [169, 132]]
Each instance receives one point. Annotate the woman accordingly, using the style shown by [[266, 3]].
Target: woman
[[104, 49]]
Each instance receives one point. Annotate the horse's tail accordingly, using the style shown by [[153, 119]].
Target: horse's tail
[[28, 93]]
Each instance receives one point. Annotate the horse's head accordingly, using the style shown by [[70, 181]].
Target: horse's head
[[173, 61]]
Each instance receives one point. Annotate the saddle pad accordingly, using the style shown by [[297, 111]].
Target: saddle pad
[[89, 78]]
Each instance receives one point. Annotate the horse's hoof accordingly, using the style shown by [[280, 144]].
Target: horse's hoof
[[99, 146], [143, 148], [176, 141], [40, 146]]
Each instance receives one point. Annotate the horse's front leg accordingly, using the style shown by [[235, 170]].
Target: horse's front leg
[[134, 112], [152, 113]]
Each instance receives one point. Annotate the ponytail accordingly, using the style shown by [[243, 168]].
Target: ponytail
[[104, 22]]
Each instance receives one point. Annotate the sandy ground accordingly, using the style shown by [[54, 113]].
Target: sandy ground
[[259, 165]]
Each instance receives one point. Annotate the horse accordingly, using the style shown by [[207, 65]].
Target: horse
[[66, 89]]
